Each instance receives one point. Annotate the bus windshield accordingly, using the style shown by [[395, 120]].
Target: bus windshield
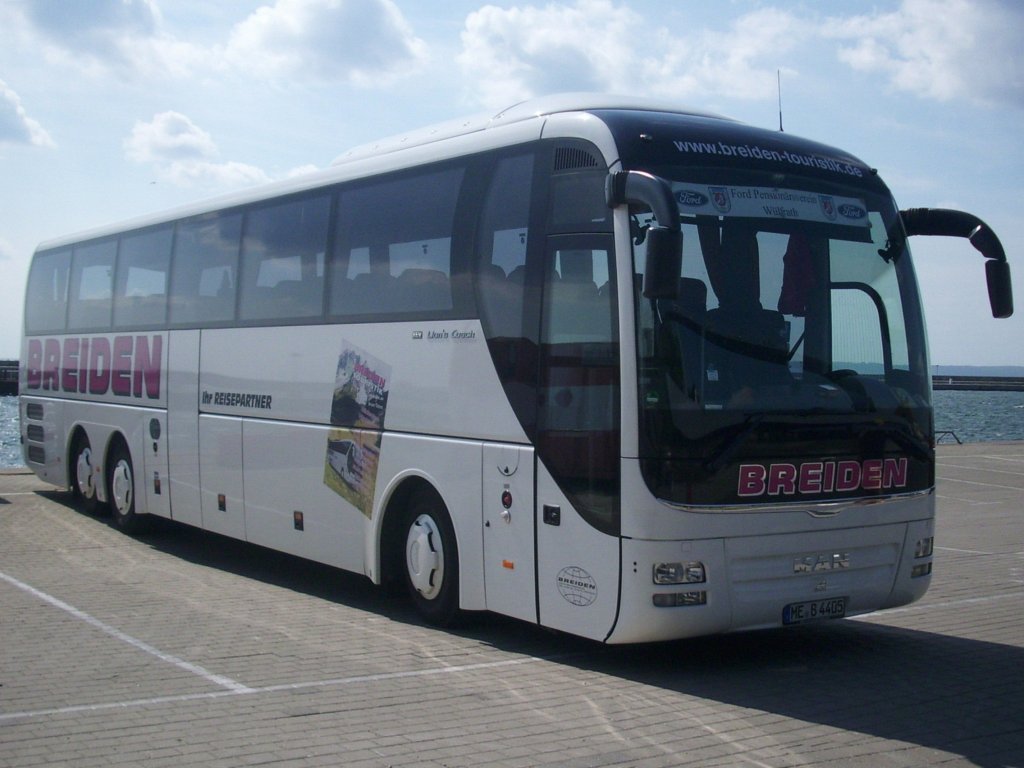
[[797, 323]]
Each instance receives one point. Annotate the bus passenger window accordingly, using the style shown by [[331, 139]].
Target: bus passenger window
[[47, 294], [502, 246], [140, 287], [283, 260], [204, 274], [394, 246], [579, 305], [92, 279]]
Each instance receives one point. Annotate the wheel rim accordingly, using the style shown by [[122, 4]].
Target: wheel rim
[[84, 473], [121, 487], [424, 557]]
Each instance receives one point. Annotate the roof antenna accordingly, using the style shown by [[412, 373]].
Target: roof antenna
[[778, 76]]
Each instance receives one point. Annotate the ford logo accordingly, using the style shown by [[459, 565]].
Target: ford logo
[[691, 198], [848, 211]]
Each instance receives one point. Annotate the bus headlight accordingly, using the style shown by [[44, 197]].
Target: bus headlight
[[924, 547], [679, 573]]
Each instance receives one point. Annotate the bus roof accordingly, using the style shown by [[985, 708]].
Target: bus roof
[[522, 111]]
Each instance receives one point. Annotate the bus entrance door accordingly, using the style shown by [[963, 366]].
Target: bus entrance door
[[508, 509]]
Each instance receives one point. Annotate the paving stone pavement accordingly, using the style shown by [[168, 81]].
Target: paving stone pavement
[[185, 648]]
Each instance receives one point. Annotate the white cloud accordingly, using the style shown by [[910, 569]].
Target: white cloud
[[170, 136], [941, 49], [16, 127], [185, 155], [302, 170], [228, 175], [92, 26], [90, 36], [514, 53], [935, 49], [364, 42], [741, 62]]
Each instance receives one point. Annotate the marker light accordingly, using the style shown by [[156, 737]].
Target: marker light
[[920, 570], [679, 573], [924, 547], [676, 599]]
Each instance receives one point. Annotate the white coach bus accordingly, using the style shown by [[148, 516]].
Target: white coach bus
[[621, 370]]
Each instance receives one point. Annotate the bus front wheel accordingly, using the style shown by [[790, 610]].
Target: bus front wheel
[[431, 561]]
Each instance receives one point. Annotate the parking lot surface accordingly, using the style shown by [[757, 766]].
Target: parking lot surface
[[180, 647]]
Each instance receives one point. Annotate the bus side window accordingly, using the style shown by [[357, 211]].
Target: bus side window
[[47, 294], [578, 422], [204, 271], [403, 228], [503, 237], [92, 281], [283, 260], [140, 286]]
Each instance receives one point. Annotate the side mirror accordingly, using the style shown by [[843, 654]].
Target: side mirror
[[948, 223], [663, 264], [1000, 292], [665, 241]]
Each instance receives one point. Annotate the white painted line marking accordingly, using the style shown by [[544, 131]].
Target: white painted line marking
[[399, 675], [195, 669], [243, 691], [964, 551], [971, 502], [984, 485], [1014, 457], [979, 469]]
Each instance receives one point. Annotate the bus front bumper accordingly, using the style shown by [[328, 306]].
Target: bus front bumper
[[677, 589]]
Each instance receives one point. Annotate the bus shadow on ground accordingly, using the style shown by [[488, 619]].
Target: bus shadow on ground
[[956, 695], [952, 694]]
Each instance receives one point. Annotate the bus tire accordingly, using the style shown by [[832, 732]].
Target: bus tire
[[121, 489], [431, 560], [83, 474]]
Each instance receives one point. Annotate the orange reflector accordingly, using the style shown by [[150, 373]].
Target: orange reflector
[[508, 564]]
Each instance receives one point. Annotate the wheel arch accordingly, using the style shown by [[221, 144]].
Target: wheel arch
[[389, 536]]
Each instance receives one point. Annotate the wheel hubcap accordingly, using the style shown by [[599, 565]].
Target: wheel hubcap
[[121, 487], [84, 473], [424, 557]]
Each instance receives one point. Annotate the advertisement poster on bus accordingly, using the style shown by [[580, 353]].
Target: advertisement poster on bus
[[357, 415]]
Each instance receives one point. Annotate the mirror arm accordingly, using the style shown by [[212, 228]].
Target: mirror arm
[[642, 188], [949, 223]]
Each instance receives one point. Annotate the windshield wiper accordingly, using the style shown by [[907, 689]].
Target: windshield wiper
[[912, 444], [725, 453]]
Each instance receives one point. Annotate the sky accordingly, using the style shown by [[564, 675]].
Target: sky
[[111, 109]]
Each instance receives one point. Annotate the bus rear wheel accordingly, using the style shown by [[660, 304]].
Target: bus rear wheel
[[121, 489], [431, 561], [83, 474]]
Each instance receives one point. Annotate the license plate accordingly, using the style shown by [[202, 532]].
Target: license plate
[[814, 610]]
